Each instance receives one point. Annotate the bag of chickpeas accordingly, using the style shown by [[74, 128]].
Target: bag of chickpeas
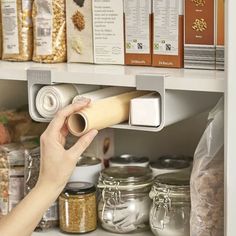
[[17, 30], [49, 21]]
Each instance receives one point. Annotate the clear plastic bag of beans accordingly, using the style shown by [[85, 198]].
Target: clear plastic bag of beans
[[50, 218], [17, 30], [49, 20]]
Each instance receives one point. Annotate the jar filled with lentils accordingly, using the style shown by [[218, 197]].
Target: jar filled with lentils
[[77, 208]]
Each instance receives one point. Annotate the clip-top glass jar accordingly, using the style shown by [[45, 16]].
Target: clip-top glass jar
[[78, 208], [125, 204], [170, 212]]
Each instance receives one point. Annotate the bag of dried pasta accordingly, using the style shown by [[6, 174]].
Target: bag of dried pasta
[[17, 30], [49, 20]]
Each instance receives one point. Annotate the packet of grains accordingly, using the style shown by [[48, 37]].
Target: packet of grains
[[207, 180], [17, 30], [49, 20], [32, 166]]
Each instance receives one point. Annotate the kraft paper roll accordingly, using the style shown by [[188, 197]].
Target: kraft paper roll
[[102, 113], [50, 99], [102, 93]]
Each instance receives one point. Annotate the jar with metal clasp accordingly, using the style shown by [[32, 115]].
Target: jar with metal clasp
[[125, 204], [170, 212]]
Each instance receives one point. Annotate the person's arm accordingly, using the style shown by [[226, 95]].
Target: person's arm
[[56, 167]]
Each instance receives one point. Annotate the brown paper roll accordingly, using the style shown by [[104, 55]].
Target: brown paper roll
[[102, 113]]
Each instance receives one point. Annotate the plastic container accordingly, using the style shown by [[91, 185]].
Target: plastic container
[[87, 170]]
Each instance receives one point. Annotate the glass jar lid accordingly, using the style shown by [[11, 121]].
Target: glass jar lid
[[176, 185], [124, 177], [180, 179], [171, 162], [79, 188], [129, 159]]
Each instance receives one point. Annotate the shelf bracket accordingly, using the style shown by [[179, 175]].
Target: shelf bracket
[[156, 83], [37, 78]]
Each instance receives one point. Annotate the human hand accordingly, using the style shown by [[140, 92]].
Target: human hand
[[57, 164]]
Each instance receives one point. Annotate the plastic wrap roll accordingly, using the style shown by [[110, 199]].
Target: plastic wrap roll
[[102, 113], [102, 93], [50, 99]]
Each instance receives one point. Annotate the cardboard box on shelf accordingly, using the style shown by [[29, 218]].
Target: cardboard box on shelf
[[168, 25], [79, 31], [138, 28], [200, 43], [108, 35], [103, 146], [220, 35]]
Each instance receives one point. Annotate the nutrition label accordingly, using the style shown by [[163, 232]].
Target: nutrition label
[[44, 27], [166, 27], [137, 26], [10, 27], [108, 31]]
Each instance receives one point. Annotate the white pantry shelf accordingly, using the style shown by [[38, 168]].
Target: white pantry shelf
[[112, 75], [98, 232]]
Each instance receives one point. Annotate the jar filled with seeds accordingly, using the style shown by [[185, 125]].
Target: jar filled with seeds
[[78, 208], [170, 212], [49, 20], [125, 204]]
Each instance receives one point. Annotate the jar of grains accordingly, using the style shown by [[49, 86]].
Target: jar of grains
[[124, 205], [170, 212], [78, 208]]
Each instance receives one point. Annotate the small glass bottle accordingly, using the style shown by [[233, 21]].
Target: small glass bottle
[[78, 208], [170, 212], [125, 204]]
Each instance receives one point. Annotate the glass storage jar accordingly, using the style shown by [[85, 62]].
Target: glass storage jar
[[125, 204], [78, 208], [170, 212]]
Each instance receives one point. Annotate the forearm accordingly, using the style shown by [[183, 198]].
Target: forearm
[[29, 212]]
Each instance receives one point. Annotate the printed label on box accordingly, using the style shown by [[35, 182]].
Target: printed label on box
[[108, 26], [79, 32], [10, 27], [166, 27], [137, 26], [43, 29], [199, 22], [220, 22]]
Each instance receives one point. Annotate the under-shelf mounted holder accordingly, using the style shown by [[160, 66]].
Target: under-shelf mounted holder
[[37, 78], [176, 105]]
